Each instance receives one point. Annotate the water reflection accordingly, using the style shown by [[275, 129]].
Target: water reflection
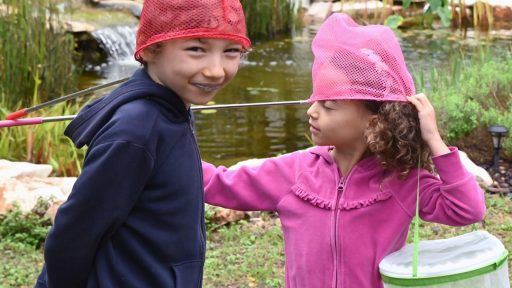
[[279, 71]]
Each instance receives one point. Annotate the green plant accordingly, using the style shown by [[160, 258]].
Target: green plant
[[267, 19], [43, 143], [469, 94], [450, 12], [26, 229], [36, 56]]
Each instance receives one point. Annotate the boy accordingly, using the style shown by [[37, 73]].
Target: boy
[[135, 217]]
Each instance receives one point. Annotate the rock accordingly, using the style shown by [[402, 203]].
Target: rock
[[480, 173], [26, 191], [25, 183], [4, 9], [135, 7], [52, 211], [501, 9], [436, 230], [502, 13], [10, 169], [370, 6], [223, 216], [318, 12], [77, 27]]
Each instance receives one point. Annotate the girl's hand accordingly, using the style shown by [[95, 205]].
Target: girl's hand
[[428, 124]]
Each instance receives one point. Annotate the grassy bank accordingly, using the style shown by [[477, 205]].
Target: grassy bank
[[244, 254]]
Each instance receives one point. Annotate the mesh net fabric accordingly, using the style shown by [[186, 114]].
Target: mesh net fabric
[[163, 20], [358, 62]]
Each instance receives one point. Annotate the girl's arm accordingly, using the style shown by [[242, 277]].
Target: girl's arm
[[257, 185], [455, 198]]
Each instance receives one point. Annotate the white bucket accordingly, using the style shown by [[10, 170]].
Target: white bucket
[[473, 260]]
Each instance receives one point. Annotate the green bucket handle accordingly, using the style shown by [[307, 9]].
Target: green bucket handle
[[416, 236]]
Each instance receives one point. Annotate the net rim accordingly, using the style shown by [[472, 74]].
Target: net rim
[[433, 280]]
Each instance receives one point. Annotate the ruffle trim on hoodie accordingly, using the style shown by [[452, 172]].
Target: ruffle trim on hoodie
[[349, 205], [313, 199], [343, 205]]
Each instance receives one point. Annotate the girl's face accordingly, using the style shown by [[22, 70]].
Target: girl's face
[[196, 69], [339, 123]]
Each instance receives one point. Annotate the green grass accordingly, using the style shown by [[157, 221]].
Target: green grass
[[243, 254], [20, 265]]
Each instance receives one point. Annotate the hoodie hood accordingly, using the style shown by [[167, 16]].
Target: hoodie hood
[[97, 113]]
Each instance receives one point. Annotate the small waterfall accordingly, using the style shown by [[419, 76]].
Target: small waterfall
[[117, 41], [119, 44]]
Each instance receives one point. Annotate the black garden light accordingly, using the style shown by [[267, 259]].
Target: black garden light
[[498, 132]]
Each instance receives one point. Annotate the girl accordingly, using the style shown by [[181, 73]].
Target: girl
[[135, 217], [348, 202]]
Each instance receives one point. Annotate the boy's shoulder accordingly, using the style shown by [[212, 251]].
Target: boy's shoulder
[[141, 122]]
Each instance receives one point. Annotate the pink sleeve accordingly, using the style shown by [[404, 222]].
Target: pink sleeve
[[455, 198], [256, 186]]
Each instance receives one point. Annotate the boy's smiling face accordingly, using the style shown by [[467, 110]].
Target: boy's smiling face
[[196, 69]]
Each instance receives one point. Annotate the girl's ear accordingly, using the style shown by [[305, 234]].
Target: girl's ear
[[372, 120]]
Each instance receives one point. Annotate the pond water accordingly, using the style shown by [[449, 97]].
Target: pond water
[[279, 70]]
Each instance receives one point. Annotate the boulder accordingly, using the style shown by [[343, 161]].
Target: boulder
[[318, 12], [224, 216], [481, 175], [26, 191], [10, 169], [25, 183], [77, 27], [501, 9], [503, 13], [135, 7]]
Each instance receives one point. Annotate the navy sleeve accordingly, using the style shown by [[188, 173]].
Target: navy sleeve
[[113, 176]]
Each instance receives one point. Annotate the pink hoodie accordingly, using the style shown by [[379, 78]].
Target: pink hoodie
[[337, 229]]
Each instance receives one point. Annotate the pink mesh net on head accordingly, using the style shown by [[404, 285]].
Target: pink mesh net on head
[[358, 62], [163, 20]]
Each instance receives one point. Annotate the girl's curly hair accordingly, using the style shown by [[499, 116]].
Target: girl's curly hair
[[395, 138]]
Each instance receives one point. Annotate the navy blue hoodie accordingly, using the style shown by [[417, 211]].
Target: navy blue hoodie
[[135, 216]]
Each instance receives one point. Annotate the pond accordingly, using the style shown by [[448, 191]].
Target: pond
[[279, 70]]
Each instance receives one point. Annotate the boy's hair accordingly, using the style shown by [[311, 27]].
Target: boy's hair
[[395, 137]]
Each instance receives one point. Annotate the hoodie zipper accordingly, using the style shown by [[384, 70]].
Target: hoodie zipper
[[340, 190], [198, 159]]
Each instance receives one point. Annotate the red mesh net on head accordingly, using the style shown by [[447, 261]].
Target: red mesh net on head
[[358, 62], [163, 20]]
